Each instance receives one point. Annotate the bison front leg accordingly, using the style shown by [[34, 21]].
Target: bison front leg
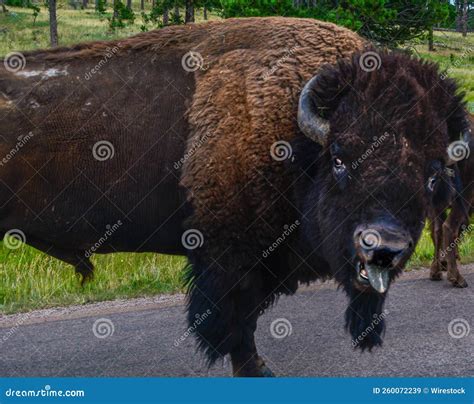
[[223, 310]]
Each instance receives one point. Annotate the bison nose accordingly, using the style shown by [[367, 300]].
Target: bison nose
[[380, 247]]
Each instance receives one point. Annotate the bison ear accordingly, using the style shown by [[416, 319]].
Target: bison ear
[[318, 99]]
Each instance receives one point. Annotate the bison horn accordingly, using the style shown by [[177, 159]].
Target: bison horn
[[309, 121]]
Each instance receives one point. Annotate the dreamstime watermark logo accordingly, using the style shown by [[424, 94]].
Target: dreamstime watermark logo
[[14, 62], [191, 151], [103, 328], [46, 391], [459, 328], [22, 140], [281, 150], [192, 61], [458, 240], [459, 150], [378, 318], [281, 328], [370, 61], [377, 142], [108, 233], [279, 62], [456, 63], [370, 239], [287, 231], [14, 239], [109, 54], [192, 239], [199, 319], [103, 150]]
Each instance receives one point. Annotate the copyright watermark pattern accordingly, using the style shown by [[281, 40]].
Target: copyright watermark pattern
[[459, 328], [281, 328], [458, 150], [192, 61], [14, 62], [14, 239], [370, 61], [281, 150], [370, 239], [192, 239], [103, 150], [103, 328]]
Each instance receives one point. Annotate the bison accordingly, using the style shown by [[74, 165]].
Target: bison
[[271, 152], [453, 188]]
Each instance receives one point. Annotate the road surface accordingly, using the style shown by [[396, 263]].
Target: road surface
[[430, 333]]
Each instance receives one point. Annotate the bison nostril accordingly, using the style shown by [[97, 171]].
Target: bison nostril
[[384, 257]]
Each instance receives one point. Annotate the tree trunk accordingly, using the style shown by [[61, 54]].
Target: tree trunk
[[4, 9], [96, 5], [189, 11], [166, 16], [205, 12], [458, 15], [464, 18], [142, 5], [129, 4], [84, 4], [114, 5], [53, 23], [176, 11], [430, 40]]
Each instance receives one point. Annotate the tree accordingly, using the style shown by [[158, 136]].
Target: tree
[[385, 22], [464, 18], [53, 23], [4, 8], [189, 17], [129, 4]]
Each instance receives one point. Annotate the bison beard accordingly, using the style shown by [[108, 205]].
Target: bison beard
[[364, 319]]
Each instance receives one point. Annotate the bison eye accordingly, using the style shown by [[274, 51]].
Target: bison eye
[[432, 182]]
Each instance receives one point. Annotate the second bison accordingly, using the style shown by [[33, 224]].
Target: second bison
[[269, 151]]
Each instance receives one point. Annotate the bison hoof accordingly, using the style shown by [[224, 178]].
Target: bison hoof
[[459, 283], [436, 276], [266, 372], [264, 369]]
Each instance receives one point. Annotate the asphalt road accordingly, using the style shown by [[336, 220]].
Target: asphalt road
[[417, 343]]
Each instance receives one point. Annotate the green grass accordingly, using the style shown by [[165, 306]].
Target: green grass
[[32, 280], [456, 54], [18, 32]]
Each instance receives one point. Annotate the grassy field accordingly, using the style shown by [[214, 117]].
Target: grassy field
[[30, 279]]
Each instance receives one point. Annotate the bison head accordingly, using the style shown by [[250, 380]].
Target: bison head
[[377, 129]]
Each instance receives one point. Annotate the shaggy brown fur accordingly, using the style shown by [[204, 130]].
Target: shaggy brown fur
[[245, 101]]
